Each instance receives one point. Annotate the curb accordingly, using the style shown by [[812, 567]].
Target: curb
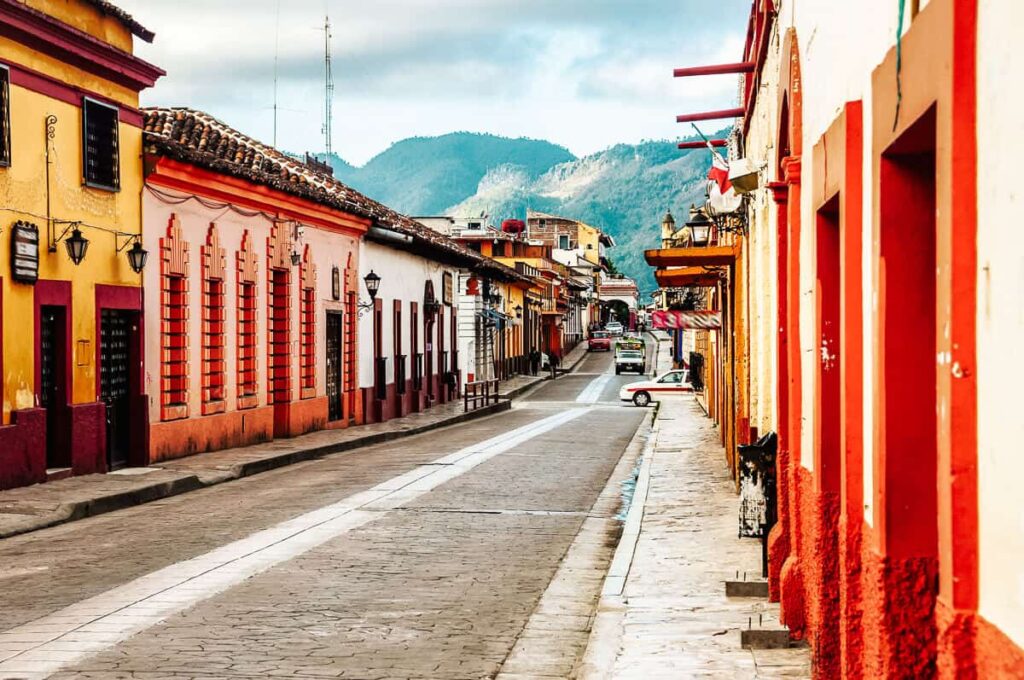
[[119, 500]]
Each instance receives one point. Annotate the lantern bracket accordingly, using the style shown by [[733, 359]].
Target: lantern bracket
[[129, 239], [68, 226]]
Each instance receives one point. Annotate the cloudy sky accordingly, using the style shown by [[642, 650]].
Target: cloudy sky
[[582, 73]]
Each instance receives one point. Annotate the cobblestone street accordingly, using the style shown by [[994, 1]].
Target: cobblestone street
[[423, 557]]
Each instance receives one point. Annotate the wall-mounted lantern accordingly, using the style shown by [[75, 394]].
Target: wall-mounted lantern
[[76, 245], [372, 282], [137, 256], [699, 227], [519, 311]]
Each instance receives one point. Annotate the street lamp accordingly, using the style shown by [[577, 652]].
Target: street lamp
[[699, 226], [519, 311], [372, 282], [76, 245], [137, 256]]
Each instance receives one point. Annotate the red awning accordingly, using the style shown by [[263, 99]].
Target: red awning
[[665, 320]]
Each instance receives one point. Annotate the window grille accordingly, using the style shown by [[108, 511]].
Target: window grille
[[100, 159]]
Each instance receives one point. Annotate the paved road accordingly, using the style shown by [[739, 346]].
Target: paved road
[[421, 558]]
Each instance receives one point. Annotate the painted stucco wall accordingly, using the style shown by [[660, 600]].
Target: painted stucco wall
[[761, 251], [23, 192], [327, 249], [1000, 317], [840, 45], [403, 277]]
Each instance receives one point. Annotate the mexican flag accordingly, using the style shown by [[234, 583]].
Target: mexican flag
[[722, 197]]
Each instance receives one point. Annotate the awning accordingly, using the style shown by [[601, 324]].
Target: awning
[[681, 277], [667, 319], [709, 256]]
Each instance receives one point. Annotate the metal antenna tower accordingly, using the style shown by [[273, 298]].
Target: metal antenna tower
[[328, 86], [277, 44]]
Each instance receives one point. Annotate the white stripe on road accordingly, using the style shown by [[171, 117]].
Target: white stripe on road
[[592, 392], [48, 644]]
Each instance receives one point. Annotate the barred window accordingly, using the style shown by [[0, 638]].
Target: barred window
[[5, 116], [100, 145]]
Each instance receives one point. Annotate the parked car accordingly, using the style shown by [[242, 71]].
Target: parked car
[[600, 341], [615, 328], [676, 381]]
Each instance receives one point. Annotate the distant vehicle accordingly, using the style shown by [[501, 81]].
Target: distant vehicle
[[630, 355], [600, 341], [676, 381], [615, 328]]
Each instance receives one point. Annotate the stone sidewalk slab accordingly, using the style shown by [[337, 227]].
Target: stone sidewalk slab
[[35, 507], [663, 611]]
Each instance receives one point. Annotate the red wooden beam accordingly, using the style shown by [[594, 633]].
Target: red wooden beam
[[717, 69], [701, 144], [710, 115]]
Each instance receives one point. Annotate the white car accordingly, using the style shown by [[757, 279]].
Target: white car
[[676, 381], [615, 328]]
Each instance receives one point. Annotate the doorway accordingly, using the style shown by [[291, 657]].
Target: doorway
[[119, 332], [907, 398], [53, 380], [334, 361]]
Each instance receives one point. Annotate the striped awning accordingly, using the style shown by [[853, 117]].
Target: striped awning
[[665, 320]]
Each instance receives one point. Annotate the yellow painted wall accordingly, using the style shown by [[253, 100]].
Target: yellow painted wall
[[23, 197], [589, 240], [88, 19]]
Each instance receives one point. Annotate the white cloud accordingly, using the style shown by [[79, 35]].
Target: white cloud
[[582, 73]]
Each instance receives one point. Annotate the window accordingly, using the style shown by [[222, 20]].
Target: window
[[5, 116], [99, 145], [174, 347], [563, 241], [214, 365], [246, 264]]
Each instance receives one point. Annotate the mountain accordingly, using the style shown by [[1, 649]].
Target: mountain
[[624, 190], [427, 175]]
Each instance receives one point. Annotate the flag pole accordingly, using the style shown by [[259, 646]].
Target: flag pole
[[710, 147]]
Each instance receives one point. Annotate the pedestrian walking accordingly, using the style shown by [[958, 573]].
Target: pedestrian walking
[[534, 362]]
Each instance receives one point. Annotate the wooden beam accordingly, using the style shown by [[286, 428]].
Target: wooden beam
[[717, 69], [709, 256], [710, 115], [702, 144], [687, 276]]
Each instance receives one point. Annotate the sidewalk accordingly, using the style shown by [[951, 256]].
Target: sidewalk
[[663, 611], [39, 506]]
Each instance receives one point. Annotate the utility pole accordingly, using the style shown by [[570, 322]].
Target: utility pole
[[328, 86]]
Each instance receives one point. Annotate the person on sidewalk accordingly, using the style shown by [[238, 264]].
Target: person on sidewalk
[[534, 362], [556, 361]]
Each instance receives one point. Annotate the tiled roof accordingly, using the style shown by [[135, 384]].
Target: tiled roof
[[200, 139], [127, 19]]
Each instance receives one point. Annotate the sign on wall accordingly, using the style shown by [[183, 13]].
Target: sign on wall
[[25, 252], [447, 288]]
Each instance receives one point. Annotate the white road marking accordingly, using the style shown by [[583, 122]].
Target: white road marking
[[46, 645], [592, 392]]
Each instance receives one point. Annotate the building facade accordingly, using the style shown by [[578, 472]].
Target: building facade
[[71, 311], [873, 317], [251, 318]]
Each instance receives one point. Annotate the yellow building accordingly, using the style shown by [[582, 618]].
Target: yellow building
[[70, 219]]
